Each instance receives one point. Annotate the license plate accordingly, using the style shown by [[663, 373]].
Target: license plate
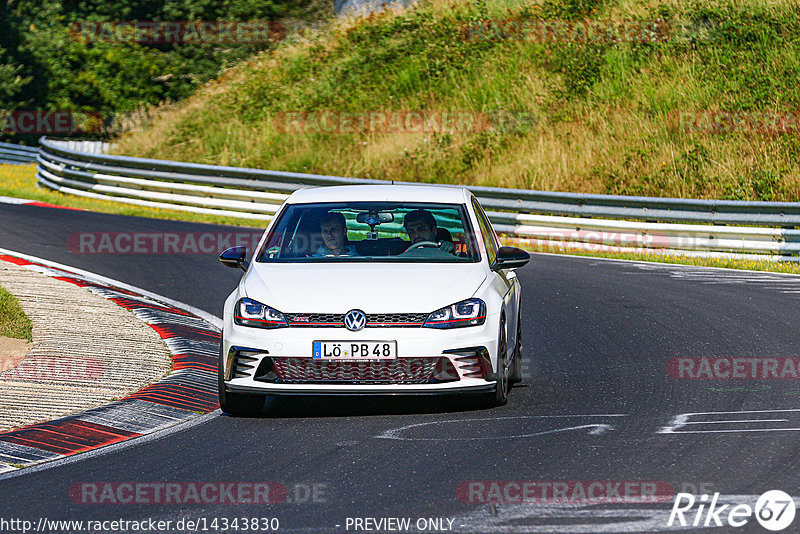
[[352, 350]]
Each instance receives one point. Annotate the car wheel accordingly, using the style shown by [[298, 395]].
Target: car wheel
[[516, 365], [236, 404], [502, 387]]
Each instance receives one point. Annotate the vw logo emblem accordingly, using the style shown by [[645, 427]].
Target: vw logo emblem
[[355, 320]]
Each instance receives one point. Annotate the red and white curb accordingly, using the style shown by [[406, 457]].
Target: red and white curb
[[190, 388], [28, 202]]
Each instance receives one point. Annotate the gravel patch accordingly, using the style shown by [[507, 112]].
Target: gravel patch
[[86, 351]]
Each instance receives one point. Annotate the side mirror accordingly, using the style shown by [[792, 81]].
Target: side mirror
[[510, 258], [235, 257]]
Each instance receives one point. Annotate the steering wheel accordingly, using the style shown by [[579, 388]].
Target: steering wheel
[[421, 244]]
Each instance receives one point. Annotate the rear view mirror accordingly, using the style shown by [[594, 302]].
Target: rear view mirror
[[375, 217], [235, 257]]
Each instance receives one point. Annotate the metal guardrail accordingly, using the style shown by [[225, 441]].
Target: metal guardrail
[[17, 154], [642, 222]]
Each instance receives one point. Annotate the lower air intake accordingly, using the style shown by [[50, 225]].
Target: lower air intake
[[399, 371]]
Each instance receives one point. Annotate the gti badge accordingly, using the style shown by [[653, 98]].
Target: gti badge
[[355, 320]]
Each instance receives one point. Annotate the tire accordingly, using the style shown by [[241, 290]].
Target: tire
[[515, 377], [236, 404], [501, 389]]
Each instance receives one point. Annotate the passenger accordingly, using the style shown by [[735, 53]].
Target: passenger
[[334, 236], [420, 225]]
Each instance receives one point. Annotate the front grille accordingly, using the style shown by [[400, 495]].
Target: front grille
[[398, 371], [315, 319], [373, 319], [396, 319]]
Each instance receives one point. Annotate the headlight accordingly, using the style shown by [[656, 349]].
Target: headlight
[[248, 312], [470, 312]]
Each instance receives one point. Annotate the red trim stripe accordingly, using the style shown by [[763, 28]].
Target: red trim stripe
[[342, 324], [458, 320], [260, 320]]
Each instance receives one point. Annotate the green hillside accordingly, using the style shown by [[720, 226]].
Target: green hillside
[[701, 106], [52, 60]]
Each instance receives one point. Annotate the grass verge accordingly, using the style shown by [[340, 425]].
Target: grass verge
[[13, 321], [19, 181]]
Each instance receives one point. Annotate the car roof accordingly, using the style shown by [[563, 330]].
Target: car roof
[[388, 192]]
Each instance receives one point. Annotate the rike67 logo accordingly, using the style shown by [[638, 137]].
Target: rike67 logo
[[774, 510]]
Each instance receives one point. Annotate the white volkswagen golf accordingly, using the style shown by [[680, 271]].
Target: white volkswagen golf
[[373, 289]]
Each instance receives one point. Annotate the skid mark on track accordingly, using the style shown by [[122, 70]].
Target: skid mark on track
[[592, 428], [783, 283]]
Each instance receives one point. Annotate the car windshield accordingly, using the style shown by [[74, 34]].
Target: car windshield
[[371, 231]]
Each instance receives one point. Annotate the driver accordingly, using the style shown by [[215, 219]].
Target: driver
[[333, 228], [420, 225]]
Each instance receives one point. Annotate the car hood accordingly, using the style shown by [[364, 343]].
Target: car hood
[[387, 288]]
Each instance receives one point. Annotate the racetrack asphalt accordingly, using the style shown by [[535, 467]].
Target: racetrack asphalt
[[598, 336]]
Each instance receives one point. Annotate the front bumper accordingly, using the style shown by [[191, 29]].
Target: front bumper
[[260, 348]]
